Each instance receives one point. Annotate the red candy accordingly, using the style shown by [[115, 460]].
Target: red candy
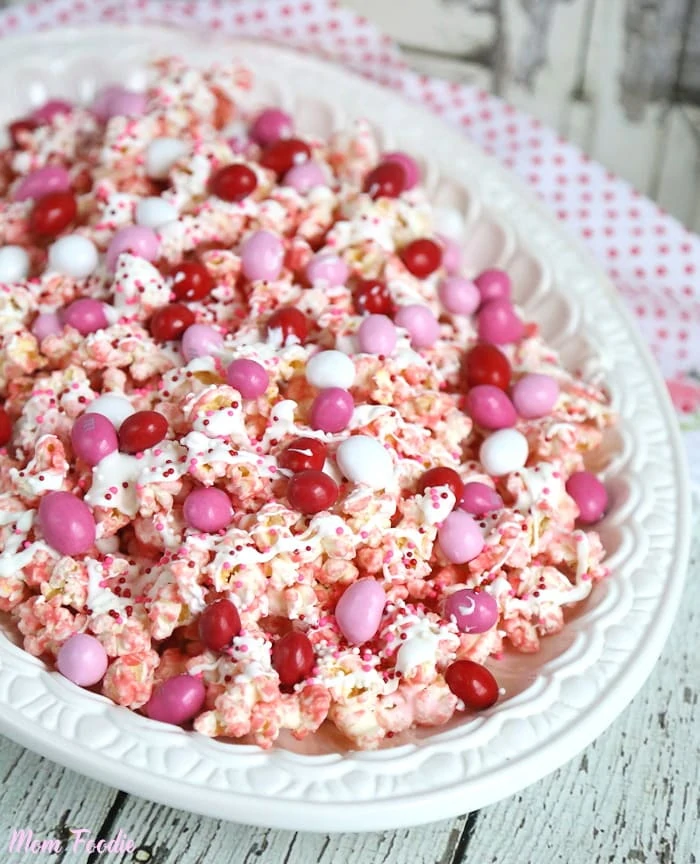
[[218, 624], [293, 658], [441, 477], [191, 281], [142, 430], [472, 683], [284, 154], [387, 180], [233, 183], [292, 322], [422, 257], [53, 213], [487, 365], [5, 427], [303, 454], [373, 297], [312, 491], [170, 322]]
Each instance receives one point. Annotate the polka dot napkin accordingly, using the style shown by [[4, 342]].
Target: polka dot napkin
[[653, 260]]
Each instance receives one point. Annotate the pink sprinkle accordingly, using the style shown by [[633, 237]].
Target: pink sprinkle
[[238, 584], [556, 474], [364, 534], [585, 576], [75, 385], [209, 413], [108, 560], [40, 418], [102, 583], [139, 455], [243, 648], [160, 526], [157, 452], [113, 490], [339, 531]]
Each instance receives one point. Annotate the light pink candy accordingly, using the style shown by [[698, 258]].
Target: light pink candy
[[304, 177], [421, 324], [262, 256], [535, 395], [460, 538], [459, 295], [490, 408], [50, 178], [46, 324], [359, 611], [82, 659], [377, 335], [137, 240], [327, 267], [200, 340], [498, 323], [451, 254]]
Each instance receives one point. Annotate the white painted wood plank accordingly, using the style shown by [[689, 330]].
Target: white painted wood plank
[[634, 794]]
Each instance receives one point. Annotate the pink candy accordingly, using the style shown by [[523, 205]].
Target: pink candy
[[176, 700], [478, 499], [473, 611], [327, 268], [409, 165], [422, 325], [50, 178], [262, 255], [498, 323], [116, 101], [460, 538], [589, 494], [85, 315], [200, 340], [46, 324], [535, 395], [359, 610], [331, 410], [248, 377], [493, 285], [208, 510], [270, 125], [93, 437], [377, 335], [451, 254], [67, 523], [82, 660], [490, 408], [53, 108], [137, 240], [304, 177], [459, 295]]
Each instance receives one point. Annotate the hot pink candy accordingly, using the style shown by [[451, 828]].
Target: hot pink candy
[[46, 324], [248, 377], [490, 408], [177, 700], [535, 395], [359, 611], [473, 611], [409, 165], [331, 410], [460, 538], [67, 523], [137, 240], [498, 323], [377, 335], [46, 112], [422, 325], [207, 510], [304, 177], [262, 255], [458, 295], [328, 268], [478, 499], [270, 125], [82, 660], [200, 340], [589, 494], [85, 315], [493, 284], [93, 437], [50, 178]]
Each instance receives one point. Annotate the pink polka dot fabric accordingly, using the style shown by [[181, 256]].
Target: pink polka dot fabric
[[653, 260]]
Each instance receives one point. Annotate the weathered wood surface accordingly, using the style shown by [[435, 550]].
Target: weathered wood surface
[[632, 796]]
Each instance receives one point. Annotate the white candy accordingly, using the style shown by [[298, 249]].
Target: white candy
[[503, 452], [155, 212], [112, 406], [448, 222], [161, 155], [74, 256], [330, 369], [14, 264], [365, 460]]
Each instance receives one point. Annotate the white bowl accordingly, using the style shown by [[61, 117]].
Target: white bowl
[[558, 700]]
